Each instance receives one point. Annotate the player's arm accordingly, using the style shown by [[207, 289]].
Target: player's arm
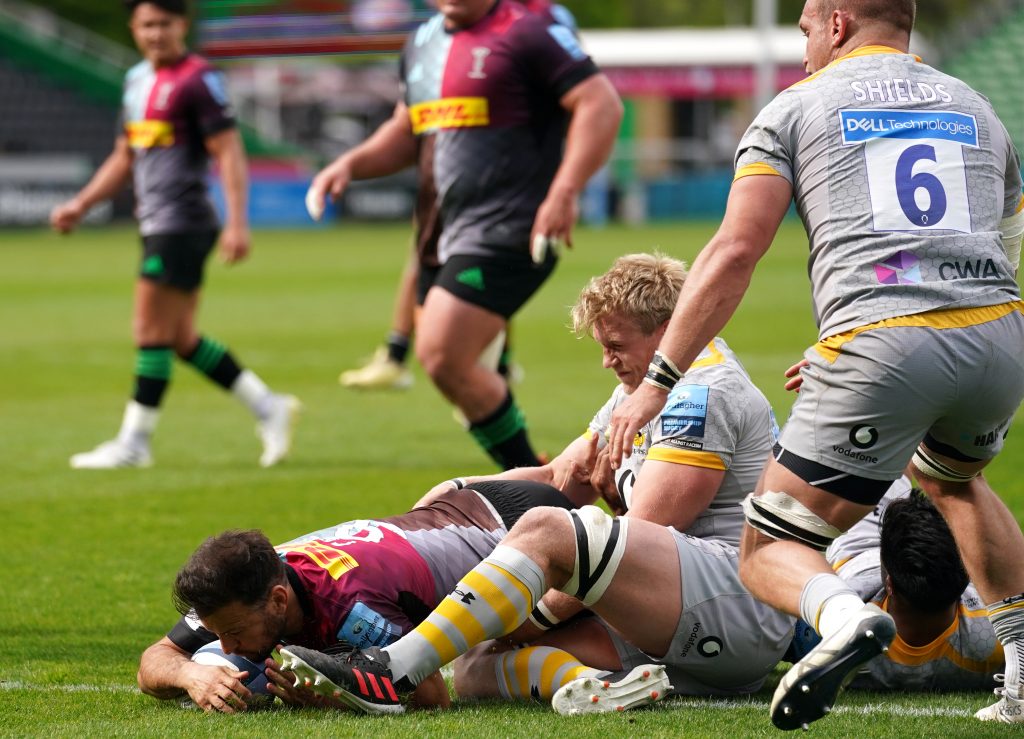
[[712, 291], [167, 671], [569, 472], [104, 184], [673, 494], [390, 149], [227, 149], [596, 112]]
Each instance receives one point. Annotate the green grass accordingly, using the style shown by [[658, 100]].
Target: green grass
[[91, 556]]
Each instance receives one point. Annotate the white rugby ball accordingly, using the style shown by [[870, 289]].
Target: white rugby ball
[[256, 681]]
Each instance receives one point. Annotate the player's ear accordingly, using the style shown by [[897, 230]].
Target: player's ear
[[278, 598], [838, 28]]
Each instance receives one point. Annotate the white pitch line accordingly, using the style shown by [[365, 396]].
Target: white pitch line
[[888, 709], [81, 688]]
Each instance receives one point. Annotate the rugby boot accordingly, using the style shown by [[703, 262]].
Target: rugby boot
[[1009, 709], [380, 373], [808, 691], [359, 678], [111, 455], [278, 428], [618, 691]]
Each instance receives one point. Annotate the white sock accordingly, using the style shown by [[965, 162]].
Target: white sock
[[252, 391], [827, 603], [1007, 618], [138, 424]]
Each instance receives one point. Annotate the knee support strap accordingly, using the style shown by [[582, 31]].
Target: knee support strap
[[600, 545], [781, 516], [929, 465]]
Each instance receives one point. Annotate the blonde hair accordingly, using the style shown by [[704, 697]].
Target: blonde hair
[[641, 287]]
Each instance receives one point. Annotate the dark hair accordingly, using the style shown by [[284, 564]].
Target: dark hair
[[236, 566], [899, 14], [919, 554], [177, 7]]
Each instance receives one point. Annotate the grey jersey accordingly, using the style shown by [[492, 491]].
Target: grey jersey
[[716, 418], [901, 175], [965, 656]]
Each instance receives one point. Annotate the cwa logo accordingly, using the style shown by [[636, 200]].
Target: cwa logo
[[902, 268]]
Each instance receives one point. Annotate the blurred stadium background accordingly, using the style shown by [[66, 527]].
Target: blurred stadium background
[[311, 78]]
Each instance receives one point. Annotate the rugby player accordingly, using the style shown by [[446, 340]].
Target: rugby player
[[666, 596], [361, 582], [491, 83], [388, 369], [902, 557], [910, 191], [176, 116]]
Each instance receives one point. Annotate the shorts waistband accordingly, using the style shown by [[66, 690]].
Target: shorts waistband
[[832, 346]]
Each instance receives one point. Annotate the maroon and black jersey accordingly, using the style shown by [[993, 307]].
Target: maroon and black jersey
[[369, 582], [167, 114], [486, 99]]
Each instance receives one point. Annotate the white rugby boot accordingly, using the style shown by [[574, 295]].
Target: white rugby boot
[[641, 686], [380, 373], [278, 428], [1009, 709], [808, 691], [113, 454]]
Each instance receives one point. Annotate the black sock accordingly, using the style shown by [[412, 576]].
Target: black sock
[[398, 347], [215, 361], [502, 435], [152, 374]]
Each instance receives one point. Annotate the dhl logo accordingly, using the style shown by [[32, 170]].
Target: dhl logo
[[150, 134], [336, 561], [639, 439], [449, 113]]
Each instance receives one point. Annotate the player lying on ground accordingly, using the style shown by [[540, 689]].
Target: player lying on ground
[[667, 594], [361, 582], [902, 557]]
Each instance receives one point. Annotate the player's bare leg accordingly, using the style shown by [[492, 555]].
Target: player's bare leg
[[992, 548], [632, 567], [795, 578], [452, 335]]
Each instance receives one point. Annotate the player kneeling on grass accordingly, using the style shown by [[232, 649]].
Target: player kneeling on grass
[[362, 582], [902, 557]]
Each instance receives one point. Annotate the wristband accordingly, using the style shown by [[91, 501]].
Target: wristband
[[655, 380], [458, 482], [666, 365]]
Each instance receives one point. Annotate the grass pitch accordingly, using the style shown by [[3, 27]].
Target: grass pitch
[[91, 555]]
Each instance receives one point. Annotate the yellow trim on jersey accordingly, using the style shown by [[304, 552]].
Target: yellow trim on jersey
[[832, 346], [449, 113], [862, 51], [904, 654], [996, 610], [707, 460], [715, 357], [149, 134], [839, 565], [1020, 205], [755, 168], [335, 560]]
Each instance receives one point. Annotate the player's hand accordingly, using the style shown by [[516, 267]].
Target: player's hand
[[438, 491], [554, 221], [330, 182], [234, 243], [602, 479], [432, 692], [217, 689], [526, 633], [64, 217], [643, 404], [795, 378]]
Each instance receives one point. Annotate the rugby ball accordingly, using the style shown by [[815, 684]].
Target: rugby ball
[[212, 654]]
